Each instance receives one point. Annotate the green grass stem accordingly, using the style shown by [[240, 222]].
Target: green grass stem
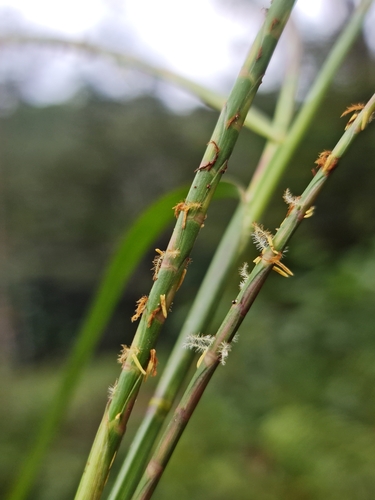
[[309, 109], [192, 213], [134, 244], [204, 305], [256, 120], [233, 243], [270, 257]]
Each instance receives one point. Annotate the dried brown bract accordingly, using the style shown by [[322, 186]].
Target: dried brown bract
[[290, 200], [207, 166], [141, 304], [322, 158], [355, 109], [152, 364], [185, 207], [156, 263], [152, 315], [123, 356]]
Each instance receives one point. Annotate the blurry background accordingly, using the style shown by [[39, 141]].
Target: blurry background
[[86, 145]]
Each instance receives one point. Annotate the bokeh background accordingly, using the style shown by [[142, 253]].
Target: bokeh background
[[86, 145]]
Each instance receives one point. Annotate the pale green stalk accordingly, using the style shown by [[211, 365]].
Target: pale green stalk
[[192, 214], [313, 100], [19, 491], [256, 120], [205, 303], [270, 258], [232, 244]]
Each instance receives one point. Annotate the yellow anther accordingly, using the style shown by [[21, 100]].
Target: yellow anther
[[201, 358], [280, 271], [284, 268], [137, 363], [309, 213]]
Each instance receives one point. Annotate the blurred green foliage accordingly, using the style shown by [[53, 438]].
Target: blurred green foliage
[[291, 415]]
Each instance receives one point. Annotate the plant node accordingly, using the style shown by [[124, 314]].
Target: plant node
[[322, 158], [263, 241], [185, 207]]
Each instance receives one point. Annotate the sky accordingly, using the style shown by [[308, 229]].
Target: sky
[[205, 40]]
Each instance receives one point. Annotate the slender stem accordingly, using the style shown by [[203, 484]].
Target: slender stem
[[203, 306], [313, 100], [192, 214], [230, 247], [256, 120], [269, 259], [115, 276]]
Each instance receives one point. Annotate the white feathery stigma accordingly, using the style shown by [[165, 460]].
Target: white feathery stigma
[[289, 198], [224, 350], [261, 237], [199, 343], [244, 273]]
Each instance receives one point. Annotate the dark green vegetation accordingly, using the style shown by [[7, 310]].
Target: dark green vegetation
[[292, 413]]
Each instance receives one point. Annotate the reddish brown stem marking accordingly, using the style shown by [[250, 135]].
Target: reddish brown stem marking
[[232, 120], [331, 165], [210, 164], [152, 316], [274, 23], [224, 167]]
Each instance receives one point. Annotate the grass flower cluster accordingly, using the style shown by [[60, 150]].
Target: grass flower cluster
[[151, 451]]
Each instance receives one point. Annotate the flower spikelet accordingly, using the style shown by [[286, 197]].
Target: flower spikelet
[[185, 207], [224, 350], [290, 199], [261, 237], [322, 158], [123, 356], [200, 343], [353, 108], [156, 263], [141, 305]]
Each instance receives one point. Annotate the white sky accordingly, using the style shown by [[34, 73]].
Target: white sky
[[179, 35]]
